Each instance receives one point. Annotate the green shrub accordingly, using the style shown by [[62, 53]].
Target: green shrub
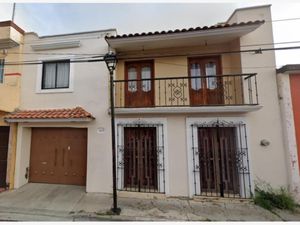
[[269, 198]]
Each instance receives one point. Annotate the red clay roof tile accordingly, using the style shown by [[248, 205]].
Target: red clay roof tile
[[78, 113]]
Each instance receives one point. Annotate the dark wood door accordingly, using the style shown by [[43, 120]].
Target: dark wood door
[[139, 93], [58, 156], [205, 88], [217, 160], [140, 158], [4, 138]]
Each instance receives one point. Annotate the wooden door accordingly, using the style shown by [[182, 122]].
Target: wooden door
[[139, 93], [217, 160], [58, 156], [140, 158], [205, 88], [4, 138]]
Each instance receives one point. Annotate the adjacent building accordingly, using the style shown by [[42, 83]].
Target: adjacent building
[[11, 49]]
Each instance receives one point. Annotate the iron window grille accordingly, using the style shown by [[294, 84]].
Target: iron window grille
[[1, 70], [233, 178], [122, 185]]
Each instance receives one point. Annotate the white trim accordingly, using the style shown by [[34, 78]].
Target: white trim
[[149, 121], [56, 45], [187, 109], [193, 120], [70, 89]]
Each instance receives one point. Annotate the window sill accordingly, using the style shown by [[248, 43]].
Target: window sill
[[49, 91]]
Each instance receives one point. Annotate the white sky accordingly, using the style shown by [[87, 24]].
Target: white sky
[[57, 18]]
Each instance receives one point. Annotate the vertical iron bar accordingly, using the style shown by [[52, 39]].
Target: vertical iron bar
[[256, 91], [248, 167], [220, 161], [194, 170]]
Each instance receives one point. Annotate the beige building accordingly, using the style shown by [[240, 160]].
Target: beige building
[[197, 109], [63, 122], [11, 49]]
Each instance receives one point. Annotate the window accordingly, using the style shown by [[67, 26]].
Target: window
[[56, 74], [146, 74], [195, 72], [211, 70], [1, 70], [132, 75]]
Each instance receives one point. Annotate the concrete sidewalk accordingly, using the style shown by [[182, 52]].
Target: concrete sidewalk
[[45, 202]]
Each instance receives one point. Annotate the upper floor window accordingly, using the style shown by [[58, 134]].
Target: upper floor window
[[1, 70], [56, 74]]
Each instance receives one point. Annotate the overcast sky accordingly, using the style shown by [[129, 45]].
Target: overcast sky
[[57, 18]]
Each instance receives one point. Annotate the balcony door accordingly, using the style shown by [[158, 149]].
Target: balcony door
[[205, 87], [138, 91]]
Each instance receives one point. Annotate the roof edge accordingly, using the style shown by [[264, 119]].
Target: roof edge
[[12, 24], [289, 68], [247, 8]]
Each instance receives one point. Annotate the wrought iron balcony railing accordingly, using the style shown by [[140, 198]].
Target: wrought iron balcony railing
[[217, 90]]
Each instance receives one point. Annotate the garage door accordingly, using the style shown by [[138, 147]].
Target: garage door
[[58, 156]]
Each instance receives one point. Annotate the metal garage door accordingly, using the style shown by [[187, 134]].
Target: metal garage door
[[58, 156]]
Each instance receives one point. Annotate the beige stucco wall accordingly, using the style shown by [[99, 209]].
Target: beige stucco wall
[[269, 162], [90, 91]]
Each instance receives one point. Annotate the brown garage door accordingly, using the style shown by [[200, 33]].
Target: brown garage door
[[58, 156]]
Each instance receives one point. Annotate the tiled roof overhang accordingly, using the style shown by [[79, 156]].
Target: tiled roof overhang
[[77, 114], [231, 30], [290, 68]]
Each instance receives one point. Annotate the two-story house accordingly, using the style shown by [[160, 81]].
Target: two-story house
[[11, 49], [63, 122], [197, 112]]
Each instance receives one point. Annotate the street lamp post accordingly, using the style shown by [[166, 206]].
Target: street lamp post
[[111, 61]]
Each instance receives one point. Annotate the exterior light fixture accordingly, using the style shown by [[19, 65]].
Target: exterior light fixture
[[111, 62]]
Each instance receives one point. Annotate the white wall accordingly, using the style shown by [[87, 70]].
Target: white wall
[[90, 92]]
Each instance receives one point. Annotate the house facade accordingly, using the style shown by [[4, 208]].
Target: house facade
[[63, 122], [11, 48], [197, 112], [288, 93]]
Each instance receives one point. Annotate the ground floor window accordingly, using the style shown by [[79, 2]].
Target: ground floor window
[[220, 159], [140, 157]]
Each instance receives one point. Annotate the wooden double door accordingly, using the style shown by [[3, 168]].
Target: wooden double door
[[58, 156], [139, 88], [217, 160], [206, 84], [4, 138], [140, 158]]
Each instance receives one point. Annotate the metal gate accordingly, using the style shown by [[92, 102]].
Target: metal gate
[[220, 159], [140, 157]]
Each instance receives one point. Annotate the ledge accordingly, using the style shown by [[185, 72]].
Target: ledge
[[202, 109]]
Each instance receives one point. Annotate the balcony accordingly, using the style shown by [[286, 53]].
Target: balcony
[[10, 35], [218, 93]]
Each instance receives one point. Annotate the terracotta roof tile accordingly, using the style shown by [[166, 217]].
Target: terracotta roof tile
[[225, 25], [78, 113]]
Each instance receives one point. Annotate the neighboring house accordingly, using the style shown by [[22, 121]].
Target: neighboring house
[[288, 79], [64, 130], [195, 116], [11, 45]]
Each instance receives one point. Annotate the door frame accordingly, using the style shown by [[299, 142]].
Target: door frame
[[190, 144], [126, 63], [162, 141], [219, 72]]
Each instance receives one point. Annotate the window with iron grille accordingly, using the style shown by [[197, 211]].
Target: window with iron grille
[[1, 70], [220, 159], [56, 74], [140, 157]]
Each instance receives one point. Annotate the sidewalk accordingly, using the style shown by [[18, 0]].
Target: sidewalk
[[42, 202]]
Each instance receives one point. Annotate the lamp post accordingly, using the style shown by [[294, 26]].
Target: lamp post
[[111, 61]]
